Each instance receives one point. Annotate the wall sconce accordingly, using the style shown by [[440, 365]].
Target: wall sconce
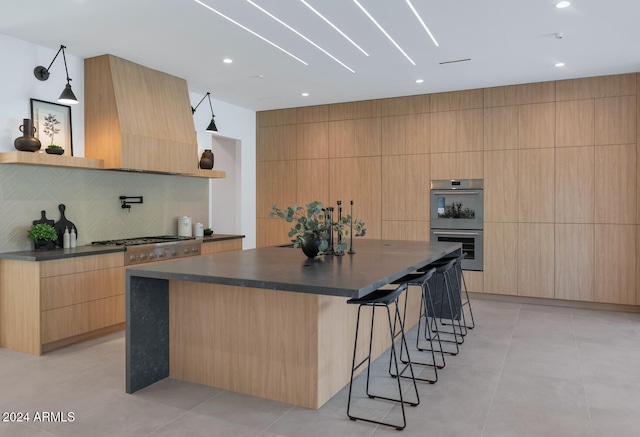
[[212, 126], [42, 73]]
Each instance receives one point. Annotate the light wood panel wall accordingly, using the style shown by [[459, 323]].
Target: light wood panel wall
[[558, 159]]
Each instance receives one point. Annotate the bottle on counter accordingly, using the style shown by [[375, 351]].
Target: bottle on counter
[[72, 238], [66, 239]]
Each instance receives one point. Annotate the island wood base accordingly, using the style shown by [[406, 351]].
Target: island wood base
[[264, 321], [285, 346]]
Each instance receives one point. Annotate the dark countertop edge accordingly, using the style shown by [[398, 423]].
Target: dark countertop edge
[[219, 237], [47, 255], [140, 272], [250, 283]]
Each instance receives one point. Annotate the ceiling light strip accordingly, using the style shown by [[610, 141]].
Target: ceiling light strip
[[334, 27], [300, 35], [250, 31], [383, 31], [422, 22]]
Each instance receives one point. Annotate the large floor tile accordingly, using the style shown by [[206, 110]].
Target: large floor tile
[[525, 370], [552, 360]]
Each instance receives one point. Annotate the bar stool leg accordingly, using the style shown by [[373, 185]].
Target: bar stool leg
[[367, 360], [403, 346]]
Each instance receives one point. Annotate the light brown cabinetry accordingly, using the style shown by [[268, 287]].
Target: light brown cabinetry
[[137, 118], [560, 163], [221, 246], [49, 304]]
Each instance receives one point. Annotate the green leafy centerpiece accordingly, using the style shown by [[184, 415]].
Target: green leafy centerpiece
[[313, 228], [44, 236]]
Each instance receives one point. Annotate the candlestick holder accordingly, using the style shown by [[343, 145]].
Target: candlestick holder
[[351, 251], [330, 250], [340, 251]]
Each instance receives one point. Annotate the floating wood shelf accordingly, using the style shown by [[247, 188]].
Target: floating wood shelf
[[211, 174], [50, 160], [29, 158]]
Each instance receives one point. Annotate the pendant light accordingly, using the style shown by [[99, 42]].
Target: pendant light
[[42, 73]]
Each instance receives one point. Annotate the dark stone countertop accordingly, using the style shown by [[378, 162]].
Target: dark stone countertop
[[376, 263], [218, 237], [47, 255]]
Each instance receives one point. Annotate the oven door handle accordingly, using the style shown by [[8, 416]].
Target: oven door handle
[[461, 192], [454, 233]]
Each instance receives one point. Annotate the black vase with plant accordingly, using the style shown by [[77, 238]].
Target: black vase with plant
[[312, 227], [44, 236]]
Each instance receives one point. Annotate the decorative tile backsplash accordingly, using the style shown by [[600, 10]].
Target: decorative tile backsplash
[[92, 202]]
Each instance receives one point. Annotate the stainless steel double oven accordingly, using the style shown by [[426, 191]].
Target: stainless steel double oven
[[457, 215]]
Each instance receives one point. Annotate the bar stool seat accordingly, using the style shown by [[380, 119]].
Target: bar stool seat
[[381, 298]]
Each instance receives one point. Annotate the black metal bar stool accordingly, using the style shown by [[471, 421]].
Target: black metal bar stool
[[426, 306], [381, 298], [443, 272], [462, 288]]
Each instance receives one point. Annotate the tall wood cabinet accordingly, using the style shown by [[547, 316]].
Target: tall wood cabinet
[[559, 160]]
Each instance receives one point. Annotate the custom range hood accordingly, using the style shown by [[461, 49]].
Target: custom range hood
[[137, 118]]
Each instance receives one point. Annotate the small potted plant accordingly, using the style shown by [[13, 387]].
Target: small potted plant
[[313, 227], [54, 150], [207, 231], [44, 236]]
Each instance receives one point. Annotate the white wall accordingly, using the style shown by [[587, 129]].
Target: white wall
[[233, 200], [18, 85]]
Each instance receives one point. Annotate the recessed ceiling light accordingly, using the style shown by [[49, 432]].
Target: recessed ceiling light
[[305, 94], [227, 60], [559, 64], [563, 4], [419, 80]]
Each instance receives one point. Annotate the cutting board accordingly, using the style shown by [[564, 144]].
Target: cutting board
[[43, 219], [62, 224]]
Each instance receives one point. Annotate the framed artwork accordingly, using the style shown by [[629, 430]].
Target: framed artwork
[[53, 124]]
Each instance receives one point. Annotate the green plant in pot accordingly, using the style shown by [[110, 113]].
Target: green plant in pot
[[54, 149], [44, 236], [312, 228]]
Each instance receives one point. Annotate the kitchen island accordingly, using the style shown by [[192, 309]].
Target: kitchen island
[[266, 322]]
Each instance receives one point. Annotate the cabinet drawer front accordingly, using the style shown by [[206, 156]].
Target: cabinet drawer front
[[68, 266], [68, 321], [59, 291], [221, 246]]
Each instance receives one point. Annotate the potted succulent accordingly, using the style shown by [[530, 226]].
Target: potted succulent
[[207, 231], [54, 150], [44, 236], [312, 228]]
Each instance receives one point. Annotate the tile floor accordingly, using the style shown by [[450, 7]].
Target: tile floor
[[526, 370]]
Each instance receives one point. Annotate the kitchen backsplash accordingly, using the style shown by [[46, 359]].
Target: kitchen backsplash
[[92, 202]]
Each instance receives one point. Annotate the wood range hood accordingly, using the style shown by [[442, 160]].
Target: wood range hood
[[137, 118]]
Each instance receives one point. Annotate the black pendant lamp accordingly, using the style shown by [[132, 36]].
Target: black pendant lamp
[[212, 126], [42, 73]]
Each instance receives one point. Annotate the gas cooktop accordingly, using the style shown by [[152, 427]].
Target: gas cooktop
[[142, 240]]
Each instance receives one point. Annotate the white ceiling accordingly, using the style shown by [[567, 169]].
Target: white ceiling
[[508, 42]]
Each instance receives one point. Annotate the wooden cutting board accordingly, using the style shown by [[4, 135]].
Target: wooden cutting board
[[43, 219], [62, 224]]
